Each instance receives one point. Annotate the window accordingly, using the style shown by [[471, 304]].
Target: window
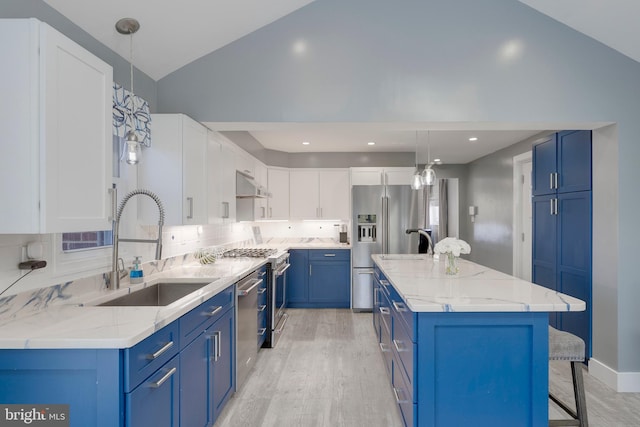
[[86, 240]]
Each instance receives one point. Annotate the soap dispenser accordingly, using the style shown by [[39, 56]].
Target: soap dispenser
[[136, 275]]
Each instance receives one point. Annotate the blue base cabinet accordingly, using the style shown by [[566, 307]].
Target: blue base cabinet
[[319, 279], [451, 369], [183, 374], [562, 225]]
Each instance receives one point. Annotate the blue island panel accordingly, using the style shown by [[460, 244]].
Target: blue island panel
[[89, 381], [482, 369]]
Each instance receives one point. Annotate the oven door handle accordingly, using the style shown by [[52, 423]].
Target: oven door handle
[[281, 271]]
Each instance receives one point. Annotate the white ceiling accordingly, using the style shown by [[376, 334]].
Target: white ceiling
[[173, 34]]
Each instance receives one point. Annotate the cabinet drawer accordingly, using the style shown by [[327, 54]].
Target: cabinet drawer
[[201, 317], [403, 395], [147, 356], [403, 314], [156, 402], [404, 348], [330, 255], [385, 347]]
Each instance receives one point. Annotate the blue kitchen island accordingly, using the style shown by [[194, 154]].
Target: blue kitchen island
[[465, 349]]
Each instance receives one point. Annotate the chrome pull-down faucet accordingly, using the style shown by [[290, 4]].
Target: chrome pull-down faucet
[[114, 279], [426, 235]]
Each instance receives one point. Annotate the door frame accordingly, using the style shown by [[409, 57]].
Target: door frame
[[518, 161]]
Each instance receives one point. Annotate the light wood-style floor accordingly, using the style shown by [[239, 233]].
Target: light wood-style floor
[[327, 371]]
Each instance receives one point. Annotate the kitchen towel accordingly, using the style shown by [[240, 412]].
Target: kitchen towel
[[122, 100]]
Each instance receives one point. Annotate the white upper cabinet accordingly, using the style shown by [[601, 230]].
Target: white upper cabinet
[[335, 194], [319, 194], [175, 168], [278, 203], [221, 172], [55, 114], [262, 179], [244, 161], [382, 176]]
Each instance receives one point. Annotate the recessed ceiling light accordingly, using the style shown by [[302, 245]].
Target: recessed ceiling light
[[473, 138], [371, 143], [305, 143], [437, 160]]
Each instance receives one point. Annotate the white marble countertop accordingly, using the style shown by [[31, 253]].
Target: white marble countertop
[[422, 283], [82, 324]]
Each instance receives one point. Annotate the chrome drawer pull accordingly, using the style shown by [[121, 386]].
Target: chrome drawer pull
[[164, 378], [262, 308], [215, 311], [385, 311], [395, 392], [398, 347], [382, 348], [399, 306], [262, 291], [384, 282], [158, 353], [262, 331], [329, 254]]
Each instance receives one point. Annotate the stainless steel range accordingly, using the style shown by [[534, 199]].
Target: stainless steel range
[[278, 263], [276, 297]]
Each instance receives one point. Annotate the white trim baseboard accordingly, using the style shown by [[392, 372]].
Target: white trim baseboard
[[623, 382]]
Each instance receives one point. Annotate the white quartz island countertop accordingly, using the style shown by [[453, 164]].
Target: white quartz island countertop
[[423, 285]]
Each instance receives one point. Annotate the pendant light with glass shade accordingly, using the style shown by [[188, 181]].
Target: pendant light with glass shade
[[132, 151], [428, 176], [416, 181]]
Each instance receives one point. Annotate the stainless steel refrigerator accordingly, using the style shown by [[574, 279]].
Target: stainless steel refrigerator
[[381, 216]]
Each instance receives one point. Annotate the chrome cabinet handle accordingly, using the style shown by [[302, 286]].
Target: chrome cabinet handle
[[190, 201], [550, 206], [262, 215], [329, 254], [398, 345], [225, 210], [262, 291], [385, 311], [551, 181], [270, 212], [366, 271], [216, 345], [262, 331], [113, 192], [399, 306], [396, 393], [384, 282], [382, 348], [555, 180], [262, 308], [214, 312], [309, 269], [164, 378], [159, 353], [320, 212]]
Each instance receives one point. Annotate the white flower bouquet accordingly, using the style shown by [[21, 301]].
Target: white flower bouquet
[[452, 248], [451, 245]]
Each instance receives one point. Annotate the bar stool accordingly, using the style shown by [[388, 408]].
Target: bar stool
[[566, 346]]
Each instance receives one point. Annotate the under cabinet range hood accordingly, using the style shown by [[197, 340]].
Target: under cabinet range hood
[[248, 188], [250, 205]]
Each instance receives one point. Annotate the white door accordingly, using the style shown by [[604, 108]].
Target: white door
[[522, 216], [526, 221]]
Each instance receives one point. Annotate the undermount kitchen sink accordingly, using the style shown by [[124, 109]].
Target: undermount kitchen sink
[[158, 294]]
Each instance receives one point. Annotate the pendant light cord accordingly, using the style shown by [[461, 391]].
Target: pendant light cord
[[131, 75]]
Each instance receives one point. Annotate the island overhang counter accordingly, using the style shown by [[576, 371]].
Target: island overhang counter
[[464, 349]]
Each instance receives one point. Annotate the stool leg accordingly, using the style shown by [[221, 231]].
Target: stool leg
[[579, 393]]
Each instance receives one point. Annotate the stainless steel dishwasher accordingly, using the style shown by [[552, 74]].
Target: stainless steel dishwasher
[[247, 326]]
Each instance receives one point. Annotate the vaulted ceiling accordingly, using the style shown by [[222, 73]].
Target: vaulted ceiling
[[173, 34]]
